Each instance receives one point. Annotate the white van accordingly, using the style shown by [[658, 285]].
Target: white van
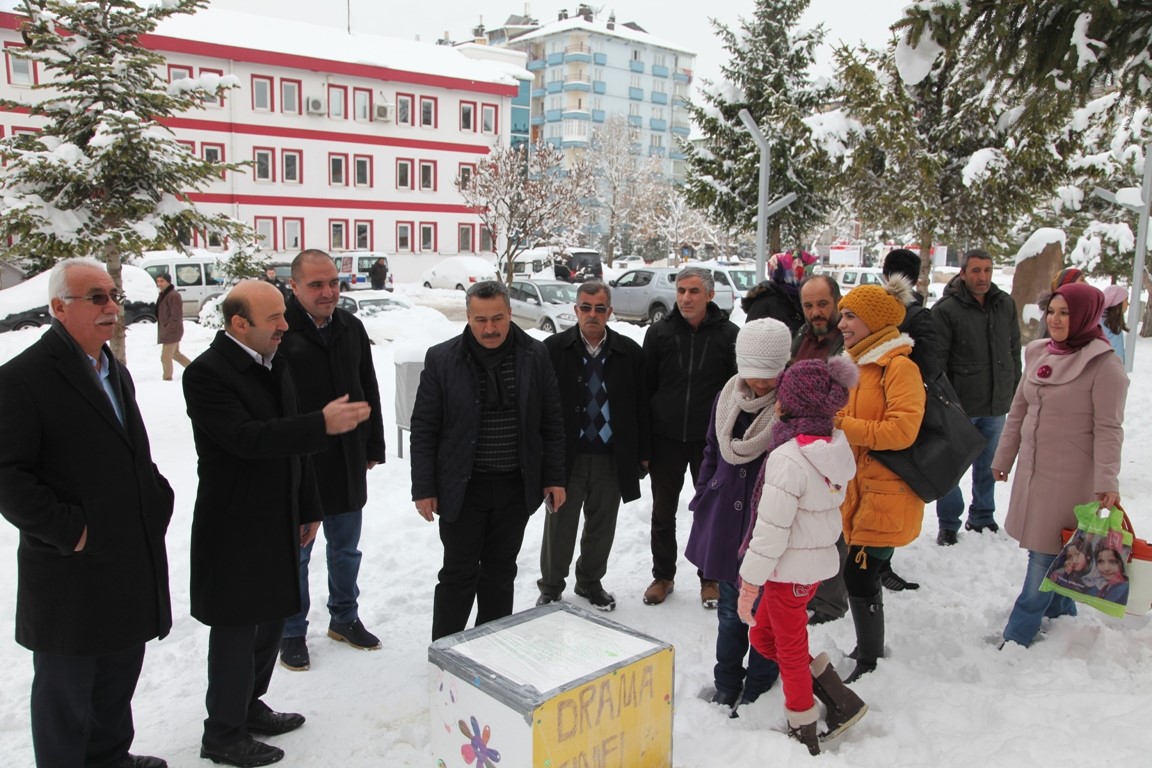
[[353, 267], [197, 278], [850, 277], [528, 264]]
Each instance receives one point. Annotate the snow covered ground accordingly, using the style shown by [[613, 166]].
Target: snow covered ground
[[943, 697]]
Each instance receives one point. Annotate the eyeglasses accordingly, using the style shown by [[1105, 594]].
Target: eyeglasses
[[599, 309], [100, 299]]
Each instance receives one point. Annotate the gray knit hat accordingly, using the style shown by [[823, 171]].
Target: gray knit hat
[[762, 349]]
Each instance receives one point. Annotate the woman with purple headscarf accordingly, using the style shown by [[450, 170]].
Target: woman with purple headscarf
[[1064, 433]]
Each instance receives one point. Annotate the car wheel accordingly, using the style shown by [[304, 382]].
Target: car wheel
[[427, 284], [345, 287], [145, 320], [459, 287], [547, 325], [20, 326], [657, 313]]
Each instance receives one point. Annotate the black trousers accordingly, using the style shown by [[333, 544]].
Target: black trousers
[[81, 708], [480, 550], [667, 464], [240, 664], [592, 487], [862, 570]]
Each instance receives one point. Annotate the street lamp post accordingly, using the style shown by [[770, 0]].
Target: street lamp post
[[764, 209]]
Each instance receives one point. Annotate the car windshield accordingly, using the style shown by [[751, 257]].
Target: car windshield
[[372, 306], [558, 294], [744, 279]]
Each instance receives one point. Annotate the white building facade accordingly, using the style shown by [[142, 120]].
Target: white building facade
[[355, 141]]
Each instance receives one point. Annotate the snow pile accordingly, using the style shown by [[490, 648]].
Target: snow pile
[[914, 63], [1039, 239], [982, 164]]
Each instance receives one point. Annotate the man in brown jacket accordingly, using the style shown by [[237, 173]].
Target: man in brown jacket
[[169, 325]]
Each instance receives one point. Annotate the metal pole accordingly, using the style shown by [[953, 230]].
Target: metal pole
[[762, 200], [1138, 266]]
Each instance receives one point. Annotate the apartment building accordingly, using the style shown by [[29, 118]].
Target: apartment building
[[585, 69], [355, 140]]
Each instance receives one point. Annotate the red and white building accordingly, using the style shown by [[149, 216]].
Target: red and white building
[[355, 140]]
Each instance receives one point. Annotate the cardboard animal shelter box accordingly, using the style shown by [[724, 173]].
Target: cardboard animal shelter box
[[553, 687]]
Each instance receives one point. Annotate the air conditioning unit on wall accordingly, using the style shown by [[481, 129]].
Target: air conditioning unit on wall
[[315, 105], [383, 113]]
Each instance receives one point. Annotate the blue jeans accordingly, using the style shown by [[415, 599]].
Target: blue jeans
[[341, 538], [731, 647], [982, 510], [1033, 605]]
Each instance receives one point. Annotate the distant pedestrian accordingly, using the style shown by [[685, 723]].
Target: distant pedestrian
[[169, 325], [378, 274]]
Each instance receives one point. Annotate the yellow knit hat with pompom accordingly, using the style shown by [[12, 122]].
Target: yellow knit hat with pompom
[[875, 305]]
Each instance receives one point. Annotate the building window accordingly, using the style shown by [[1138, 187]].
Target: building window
[[427, 112], [428, 175], [556, 102], [487, 242], [215, 241], [212, 153], [403, 174], [292, 166], [465, 234], [363, 231], [362, 170], [467, 116], [465, 174], [337, 102], [264, 164], [293, 234], [338, 170], [175, 71], [262, 93], [403, 109], [488, 119], [188, 145], [634, 81], [265, 227], [657, 140], [218, 73], [404, 236], [658, 59], [427, 237], [290, 97], [634, 110], [361, 104], [658, 86], [337, 235]]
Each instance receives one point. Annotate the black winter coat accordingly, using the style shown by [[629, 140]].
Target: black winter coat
[[979, 347], [918, 324], [627, 400], [770, 300], [256, 486], [323, 372], [446, 421], [66, 462], [685, 368]]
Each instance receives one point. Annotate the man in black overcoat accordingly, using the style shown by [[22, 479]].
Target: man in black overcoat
[[257, 503], [77, 480]]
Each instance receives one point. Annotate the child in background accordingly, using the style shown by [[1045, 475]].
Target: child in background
[[793, 544], [1112, 321]]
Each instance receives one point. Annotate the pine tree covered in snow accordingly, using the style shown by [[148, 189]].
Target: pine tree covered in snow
[[941, 159], [527, 196], [104, 177], [767, 75], [621, 176]]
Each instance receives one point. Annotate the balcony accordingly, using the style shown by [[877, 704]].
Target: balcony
[[635, 121], [554, 115], [598, 115], [681, 127], [555, 58], [659, 97], [636, 65], [682, 75], [659, 70], [655, 151], [578, 82], [555, 86], [577, 113], [677, 155], [539, 92], [599, 86], [600, 58], [538, 119], [636, 94], [536, 65], [658, 124], [578, 52]]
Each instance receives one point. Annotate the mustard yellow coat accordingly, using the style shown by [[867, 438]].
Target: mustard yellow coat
[[884, 411]]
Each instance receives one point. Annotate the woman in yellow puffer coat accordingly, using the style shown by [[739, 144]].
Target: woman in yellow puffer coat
[[884, 412]]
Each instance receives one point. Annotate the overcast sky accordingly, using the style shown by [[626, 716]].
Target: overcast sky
[[687, 25]]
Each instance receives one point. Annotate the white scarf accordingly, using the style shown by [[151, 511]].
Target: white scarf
[[737, 396]]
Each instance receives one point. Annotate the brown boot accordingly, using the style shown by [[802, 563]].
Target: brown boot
[[843, 706], [709, 594], [658, 591], [802, 727]]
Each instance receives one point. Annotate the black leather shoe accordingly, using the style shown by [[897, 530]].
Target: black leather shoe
[[140, 761], [246, 752], [946, 538], [600, 599], [294, 654], [547, 597], [990, 527], [269, 723], [353, 633]]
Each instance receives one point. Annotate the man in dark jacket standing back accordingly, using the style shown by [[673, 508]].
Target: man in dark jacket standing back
[[256, 505], [77, 480], [605, 407], [688, 357], [330, 355], [487, 448], [978, 343], [169, 325]]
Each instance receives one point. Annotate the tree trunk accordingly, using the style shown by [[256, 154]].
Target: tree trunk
[[773, 240], [1146, 320], [1031, 283], [926, 236], [112, 260]]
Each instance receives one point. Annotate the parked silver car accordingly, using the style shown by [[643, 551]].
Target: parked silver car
[[648, 295], [544, 304]]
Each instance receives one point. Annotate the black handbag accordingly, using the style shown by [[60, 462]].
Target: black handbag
[[945, 447]]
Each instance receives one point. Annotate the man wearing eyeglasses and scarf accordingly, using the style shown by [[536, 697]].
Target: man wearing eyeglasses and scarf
[[601, 378], [77, 480]]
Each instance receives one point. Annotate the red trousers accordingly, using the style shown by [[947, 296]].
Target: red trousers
[[781, 634]]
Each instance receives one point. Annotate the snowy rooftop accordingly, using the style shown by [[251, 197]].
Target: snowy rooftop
[[579, 24]]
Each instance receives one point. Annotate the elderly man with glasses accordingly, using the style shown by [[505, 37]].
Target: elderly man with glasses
[[601, 378], [77, 480]]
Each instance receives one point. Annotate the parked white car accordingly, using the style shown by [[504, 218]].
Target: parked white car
[[648, 294], [543, 304], [368, 303], [739, 276], [459, 272]]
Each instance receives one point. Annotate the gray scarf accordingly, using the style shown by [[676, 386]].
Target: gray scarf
[[737, 396]]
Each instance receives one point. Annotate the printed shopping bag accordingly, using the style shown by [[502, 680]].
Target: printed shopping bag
[[1092, 567]]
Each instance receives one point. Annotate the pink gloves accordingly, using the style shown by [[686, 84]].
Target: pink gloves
[[748, 595]]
